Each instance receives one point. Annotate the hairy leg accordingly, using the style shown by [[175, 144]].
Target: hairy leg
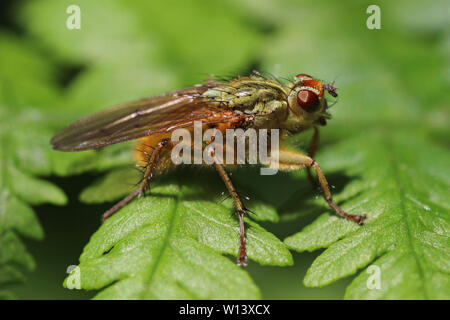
[[312, 153], [240, 209], [291, 160], [152, 161]]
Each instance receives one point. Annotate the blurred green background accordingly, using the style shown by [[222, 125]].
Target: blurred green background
[[396, 76]]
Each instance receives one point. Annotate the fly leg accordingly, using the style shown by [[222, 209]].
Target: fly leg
[[240, 209], [239, 206], [312, 153], [154, 157], [290, 160]]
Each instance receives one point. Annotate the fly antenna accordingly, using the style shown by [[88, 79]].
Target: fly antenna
[[331, 89]]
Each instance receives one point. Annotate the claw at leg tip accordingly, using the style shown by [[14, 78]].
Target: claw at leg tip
[[242, 261], [360, 219]]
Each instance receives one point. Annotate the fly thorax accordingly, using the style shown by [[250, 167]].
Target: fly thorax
[[268, 108], [270, 114], [242, 99]]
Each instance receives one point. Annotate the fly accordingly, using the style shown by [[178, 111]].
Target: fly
[[244, 102]]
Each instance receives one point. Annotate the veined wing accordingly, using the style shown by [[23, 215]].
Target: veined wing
[[140, 118]]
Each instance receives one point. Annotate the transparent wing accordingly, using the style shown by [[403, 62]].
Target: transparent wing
[[140, 118]]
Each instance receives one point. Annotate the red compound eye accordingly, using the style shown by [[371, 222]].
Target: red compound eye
[[303, 75], [308, 100]]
